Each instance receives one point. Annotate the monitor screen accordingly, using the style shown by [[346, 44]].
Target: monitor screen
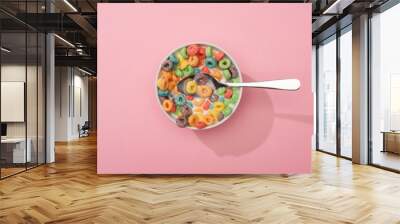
[[3, 129]]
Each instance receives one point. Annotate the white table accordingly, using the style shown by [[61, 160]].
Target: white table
[[18, 145]]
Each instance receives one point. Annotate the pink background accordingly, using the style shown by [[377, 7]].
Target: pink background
[[269, 133]]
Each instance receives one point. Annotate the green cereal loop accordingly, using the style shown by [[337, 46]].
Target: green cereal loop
[[225, 63], [235, 91], [208, 51], [235, 98], [235, 80], [188, 70], [183, 52], [221, 90], [178, 73], [227, 74], [227, 111], [228, 102], [177, 111]]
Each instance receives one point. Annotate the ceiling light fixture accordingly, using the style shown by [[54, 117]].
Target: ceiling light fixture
[[337, 7], [5, 50], [84, 71], [70, 5], [64, 40]]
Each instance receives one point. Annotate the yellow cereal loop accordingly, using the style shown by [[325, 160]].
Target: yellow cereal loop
[[219, 106], [215, 114], [183, 64], [191, 87], [162, 84], [179, 57]]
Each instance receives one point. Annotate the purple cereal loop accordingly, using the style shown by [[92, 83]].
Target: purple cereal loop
[[201, 79], [186, 110], [214, 98], [181, 122], [234, 72], [167, 65]]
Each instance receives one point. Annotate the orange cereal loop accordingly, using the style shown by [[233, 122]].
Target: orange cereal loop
[[193, 61], [204, 91], [198, 110], [166, 75], [171, 85], [200, 117], [162, 84], [209, 119], [192, 120], [198, 101], [168, 105], [216, 73], [175, 78], [175, 90]]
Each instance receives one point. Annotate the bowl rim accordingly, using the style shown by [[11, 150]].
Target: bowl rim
[[239, 76]]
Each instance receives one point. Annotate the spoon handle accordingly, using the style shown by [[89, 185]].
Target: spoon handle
[[283, 84]]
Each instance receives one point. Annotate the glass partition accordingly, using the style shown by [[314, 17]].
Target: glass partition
[[22, 101], [14, 153], [327, 95]]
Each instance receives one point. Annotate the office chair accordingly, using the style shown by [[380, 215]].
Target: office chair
[[84, 130]]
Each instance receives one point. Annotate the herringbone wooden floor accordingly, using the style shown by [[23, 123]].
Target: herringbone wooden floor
[[70, 191]]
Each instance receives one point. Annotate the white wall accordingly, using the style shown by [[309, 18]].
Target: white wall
[[71, 102]]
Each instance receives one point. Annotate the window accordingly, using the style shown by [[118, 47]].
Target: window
[[346, 75], [385, 89]]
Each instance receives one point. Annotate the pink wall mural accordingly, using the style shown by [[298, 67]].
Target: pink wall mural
[[269, 133]]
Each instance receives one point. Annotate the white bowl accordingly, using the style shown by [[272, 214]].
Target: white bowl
[[240, 89]]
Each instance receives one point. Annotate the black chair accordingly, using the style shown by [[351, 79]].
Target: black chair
[[84, 130]]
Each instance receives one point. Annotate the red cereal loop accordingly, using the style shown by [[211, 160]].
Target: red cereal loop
[[205, 70], [200, 125], [206, 104], [218, 55], [202, 52], [192, 49], [228, 93]]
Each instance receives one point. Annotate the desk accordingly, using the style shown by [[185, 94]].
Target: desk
[[13, 150], [391, 141]]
